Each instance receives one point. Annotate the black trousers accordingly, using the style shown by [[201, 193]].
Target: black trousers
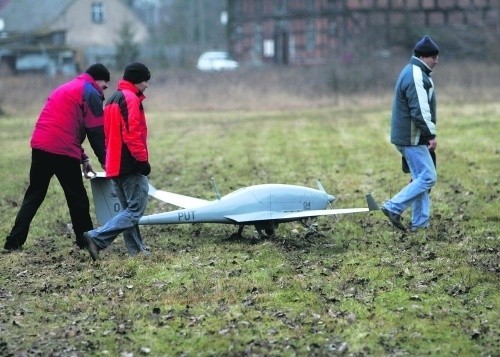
[[44, 165]]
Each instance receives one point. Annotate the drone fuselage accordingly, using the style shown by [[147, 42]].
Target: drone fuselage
[[248, 205]]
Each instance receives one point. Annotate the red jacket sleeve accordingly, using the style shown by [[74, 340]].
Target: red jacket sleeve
[[134, 133]]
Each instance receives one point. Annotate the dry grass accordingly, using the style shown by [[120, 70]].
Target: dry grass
[[357, 288], [275, 88]]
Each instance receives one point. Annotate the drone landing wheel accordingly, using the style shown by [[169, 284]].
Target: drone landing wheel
[[269, 232]]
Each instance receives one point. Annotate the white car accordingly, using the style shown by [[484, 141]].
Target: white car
[[216, 61]]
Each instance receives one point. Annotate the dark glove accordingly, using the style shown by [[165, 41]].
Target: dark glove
[[143, 167], [404, 165]]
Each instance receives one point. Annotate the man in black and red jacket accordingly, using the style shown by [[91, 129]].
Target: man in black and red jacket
[[72, 112], [127, 161]]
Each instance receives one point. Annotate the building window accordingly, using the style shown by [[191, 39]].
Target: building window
[[332, 28], [310, 36], [280, 6], [259, 8], [97, 12], [257, 41], [268, 48], [311, 5]]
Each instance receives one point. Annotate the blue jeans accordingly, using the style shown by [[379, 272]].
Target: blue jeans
[[132, 192], [416, 193]]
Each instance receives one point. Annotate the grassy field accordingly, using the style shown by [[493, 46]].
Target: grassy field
[[358, 287]]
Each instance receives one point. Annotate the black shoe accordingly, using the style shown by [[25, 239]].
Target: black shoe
[[91, 247], [8, 250], [81, 242], [394, 218]]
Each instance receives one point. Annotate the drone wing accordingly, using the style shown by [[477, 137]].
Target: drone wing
[[176, 199], [316, 213], [290, 216], [167, 197]]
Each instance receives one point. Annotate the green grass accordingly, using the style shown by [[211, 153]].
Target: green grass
[[357, 287]]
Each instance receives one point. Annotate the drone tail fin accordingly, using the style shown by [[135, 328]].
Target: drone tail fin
[[372, 204], [106, 202]]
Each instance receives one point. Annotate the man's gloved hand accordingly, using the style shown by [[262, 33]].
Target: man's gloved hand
[[143, 167], [87, 169]]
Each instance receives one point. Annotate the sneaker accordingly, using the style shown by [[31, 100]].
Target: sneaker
[[394, 218], [91, 247]]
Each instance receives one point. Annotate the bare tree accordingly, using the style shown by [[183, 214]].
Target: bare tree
[[126, 49]]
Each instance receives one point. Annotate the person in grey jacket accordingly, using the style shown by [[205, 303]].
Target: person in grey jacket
[[413, 132]]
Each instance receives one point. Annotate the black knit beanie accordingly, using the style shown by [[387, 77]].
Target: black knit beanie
[[136, 72], [99, 72], [426, 47]]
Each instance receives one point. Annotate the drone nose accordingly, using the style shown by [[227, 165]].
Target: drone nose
[[331, 198]]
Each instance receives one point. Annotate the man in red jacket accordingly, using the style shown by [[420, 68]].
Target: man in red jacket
[[127, 162], [72, 112]]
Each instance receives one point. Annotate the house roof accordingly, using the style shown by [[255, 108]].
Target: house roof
[[3, 3], [31, 15]]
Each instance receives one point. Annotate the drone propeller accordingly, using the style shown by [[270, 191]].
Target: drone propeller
[[331, 198]]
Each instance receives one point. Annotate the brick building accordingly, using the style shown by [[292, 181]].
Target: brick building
[[309, 31]]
